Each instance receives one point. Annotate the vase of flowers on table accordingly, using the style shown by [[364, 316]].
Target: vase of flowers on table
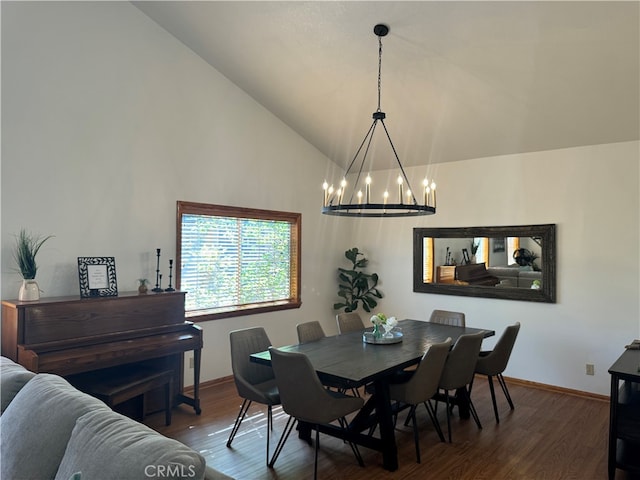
[[382, 325]]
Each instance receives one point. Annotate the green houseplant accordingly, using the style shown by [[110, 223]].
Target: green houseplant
[[26, 249], [355, 285]]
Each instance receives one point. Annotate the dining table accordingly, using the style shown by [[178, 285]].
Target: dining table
[[352, 362]]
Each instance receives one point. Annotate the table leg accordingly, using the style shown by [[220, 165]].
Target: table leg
[[385, 423], [304, 431], [613, 420], [463, 403]]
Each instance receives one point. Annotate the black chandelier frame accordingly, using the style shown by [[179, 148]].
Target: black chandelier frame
[[334, 206]]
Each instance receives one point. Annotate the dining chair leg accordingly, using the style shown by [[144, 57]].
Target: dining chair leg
[[269, 428], [315, 463], [446, 398], [434, 419], [472, 408], [503, 384], [241, 414], [285, 434], [493, 398], [416, 437], [354, 447], [411, 412]]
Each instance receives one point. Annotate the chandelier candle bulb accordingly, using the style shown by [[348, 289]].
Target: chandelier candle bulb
[[433, 193], [409, 199], [400, 189], [325, 187], [359, 197], [425, 182], [367, 181]]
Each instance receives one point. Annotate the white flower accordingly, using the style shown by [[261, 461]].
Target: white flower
[[382, 319]]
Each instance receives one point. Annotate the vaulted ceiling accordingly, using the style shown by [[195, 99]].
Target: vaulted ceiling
[[460, 80]]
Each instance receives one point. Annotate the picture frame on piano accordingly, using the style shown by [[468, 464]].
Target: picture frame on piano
[[97, 277]]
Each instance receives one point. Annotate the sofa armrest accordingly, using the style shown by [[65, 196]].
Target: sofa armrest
[[12, 378], [213, 474]]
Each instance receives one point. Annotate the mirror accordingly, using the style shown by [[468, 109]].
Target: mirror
[[512, 263]]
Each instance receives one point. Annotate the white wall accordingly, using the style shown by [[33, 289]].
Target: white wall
[[592, 195], [108, 121]]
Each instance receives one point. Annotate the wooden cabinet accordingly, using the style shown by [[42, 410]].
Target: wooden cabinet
[[446, 274], [624, 420]]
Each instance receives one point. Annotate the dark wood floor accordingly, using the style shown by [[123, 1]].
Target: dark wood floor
[[549, 435]]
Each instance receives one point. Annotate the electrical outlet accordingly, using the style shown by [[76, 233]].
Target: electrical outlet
[[191, 363], [590, 369]]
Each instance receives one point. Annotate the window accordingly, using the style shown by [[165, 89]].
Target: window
[[428, 260], [237, 261], [482, 255]]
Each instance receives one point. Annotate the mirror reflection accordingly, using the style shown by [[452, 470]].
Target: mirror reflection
[[512, 262], [515, 262]]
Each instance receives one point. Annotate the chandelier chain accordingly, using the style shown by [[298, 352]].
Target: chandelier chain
[[379, 71]]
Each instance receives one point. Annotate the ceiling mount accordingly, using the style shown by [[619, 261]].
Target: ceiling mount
[[352, 204], [381, 30]]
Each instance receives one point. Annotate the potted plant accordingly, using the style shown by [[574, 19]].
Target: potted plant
[[142, 286], [356, 285], [474, 250], [26, 249]]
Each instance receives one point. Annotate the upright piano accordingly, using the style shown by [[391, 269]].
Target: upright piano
[[69, 335]]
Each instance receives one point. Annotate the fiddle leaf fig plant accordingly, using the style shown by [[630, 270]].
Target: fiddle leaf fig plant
[[355, 285]]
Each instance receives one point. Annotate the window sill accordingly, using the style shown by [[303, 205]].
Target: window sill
[[206, 315]]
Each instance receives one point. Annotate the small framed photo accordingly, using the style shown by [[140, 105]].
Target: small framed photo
[[97, 277], [465, 256], [498, 244]]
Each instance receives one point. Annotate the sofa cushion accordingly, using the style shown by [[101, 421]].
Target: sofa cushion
[[37, 424], [107, 445], [12, 378]]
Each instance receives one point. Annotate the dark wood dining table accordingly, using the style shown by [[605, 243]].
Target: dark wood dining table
[[347, 360]]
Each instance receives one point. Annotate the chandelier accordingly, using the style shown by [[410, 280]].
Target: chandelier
[[361, 202]]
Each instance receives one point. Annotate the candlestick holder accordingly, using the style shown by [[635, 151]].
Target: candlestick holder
[[170, 288], [158, 275]]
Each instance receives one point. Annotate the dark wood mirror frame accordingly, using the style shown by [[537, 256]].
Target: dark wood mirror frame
[[546, 233]]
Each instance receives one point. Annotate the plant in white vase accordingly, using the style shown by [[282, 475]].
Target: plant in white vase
[[26, 249]]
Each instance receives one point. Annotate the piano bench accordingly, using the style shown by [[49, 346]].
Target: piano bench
[[117, 385]]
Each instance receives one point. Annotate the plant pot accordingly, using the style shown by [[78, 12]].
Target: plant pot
[[29, 291]]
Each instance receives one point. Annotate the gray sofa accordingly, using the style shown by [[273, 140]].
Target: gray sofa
[[50, 430], [514, 276]]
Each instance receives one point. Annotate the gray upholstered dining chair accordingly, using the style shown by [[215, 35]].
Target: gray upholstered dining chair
[[309, 332], [349, 322], [305, 399], [447, 317], [254, 382], [493, 363], [458, 372], [422, 386]]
